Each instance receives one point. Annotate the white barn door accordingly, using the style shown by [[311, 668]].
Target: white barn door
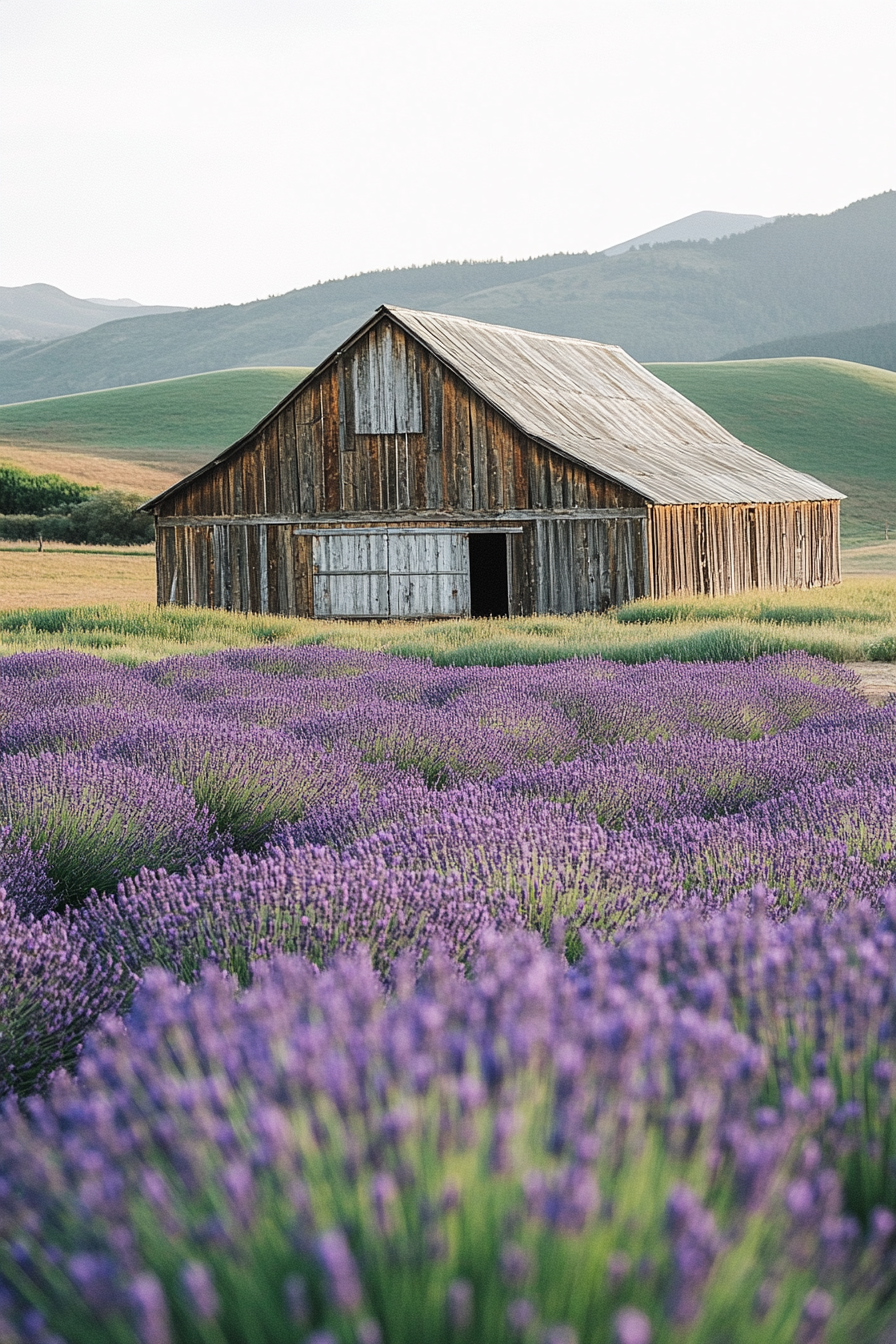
[[379, 574], [351, 574], [429, 574]]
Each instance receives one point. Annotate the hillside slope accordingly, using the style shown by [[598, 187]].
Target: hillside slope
[[175, 425], [862, 345], [676, 301], [834, 420]]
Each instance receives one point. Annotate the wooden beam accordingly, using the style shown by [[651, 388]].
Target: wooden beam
[[403, 519]]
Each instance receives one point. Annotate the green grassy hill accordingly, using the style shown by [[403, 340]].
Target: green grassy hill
[[175, 423], [676, 300], [834, 420]]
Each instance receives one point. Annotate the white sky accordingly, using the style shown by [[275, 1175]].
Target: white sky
[[210, 151]]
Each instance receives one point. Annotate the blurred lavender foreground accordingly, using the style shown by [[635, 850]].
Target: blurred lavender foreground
[[551, 1004]]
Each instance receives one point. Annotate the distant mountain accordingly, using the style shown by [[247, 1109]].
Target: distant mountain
[[671, 301], [115, 303], [862, 345], [708, 224], [44, 313]]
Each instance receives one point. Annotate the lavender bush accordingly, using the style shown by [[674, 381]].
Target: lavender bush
[[531, 1154], [54, 985], [24, 875], [97, 821]]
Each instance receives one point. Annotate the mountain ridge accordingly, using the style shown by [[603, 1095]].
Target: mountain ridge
[[708, 224], [668, 302]]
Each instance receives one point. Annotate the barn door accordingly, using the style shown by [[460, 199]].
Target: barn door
[[429, 574], [378, 574], [351, 574]]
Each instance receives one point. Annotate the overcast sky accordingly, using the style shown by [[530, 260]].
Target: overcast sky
[[212, 151]]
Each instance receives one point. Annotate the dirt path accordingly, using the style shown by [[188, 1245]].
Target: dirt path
[[878, 680]]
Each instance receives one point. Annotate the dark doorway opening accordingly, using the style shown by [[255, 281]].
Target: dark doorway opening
[[488, 574]]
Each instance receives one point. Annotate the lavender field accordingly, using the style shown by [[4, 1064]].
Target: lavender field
[[349, 998]]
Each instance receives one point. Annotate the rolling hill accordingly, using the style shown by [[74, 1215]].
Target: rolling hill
[[174, 425], [674, 301], [832, 419], [862, 345], [835, 420]]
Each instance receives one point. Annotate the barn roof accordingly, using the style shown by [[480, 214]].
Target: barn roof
[[599, 406], [592, 403]]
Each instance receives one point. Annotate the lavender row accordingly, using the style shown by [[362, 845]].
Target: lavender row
[[255, 739], [449, 866]]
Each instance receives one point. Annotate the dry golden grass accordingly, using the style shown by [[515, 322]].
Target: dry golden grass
[[878, 558], [109, 472], [70, 576]]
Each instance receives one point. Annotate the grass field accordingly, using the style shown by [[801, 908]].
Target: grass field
[[876, 558], [61, 576], [834, 420], [853, 623], [173, 425]]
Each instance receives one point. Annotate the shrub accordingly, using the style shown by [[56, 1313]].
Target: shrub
[[105, 518], [527, 1155], [100, 821], [109, 519], [53, 987], [23, 492]]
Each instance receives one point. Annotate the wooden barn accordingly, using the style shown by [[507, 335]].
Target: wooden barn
[[435, 466]]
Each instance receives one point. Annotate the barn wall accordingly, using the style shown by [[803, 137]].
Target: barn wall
[[556, 565], [731, 548]]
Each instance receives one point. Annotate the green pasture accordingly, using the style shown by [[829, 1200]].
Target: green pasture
[[154, 421], [851, 623], [834, 420]]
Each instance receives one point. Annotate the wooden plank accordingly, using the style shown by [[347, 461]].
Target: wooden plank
[[403, 475], [346, 490], [499, 453], [303, 574], [435, 459], [330, 434], [469, 518], [478, 453], [290, 491], [272, 498], [463, 464], [415, 393]]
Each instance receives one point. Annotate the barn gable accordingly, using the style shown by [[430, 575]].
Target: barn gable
[[424, 435]]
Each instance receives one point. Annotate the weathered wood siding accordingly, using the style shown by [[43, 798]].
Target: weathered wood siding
[[386, 435], [730, 548], [406, 574]]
